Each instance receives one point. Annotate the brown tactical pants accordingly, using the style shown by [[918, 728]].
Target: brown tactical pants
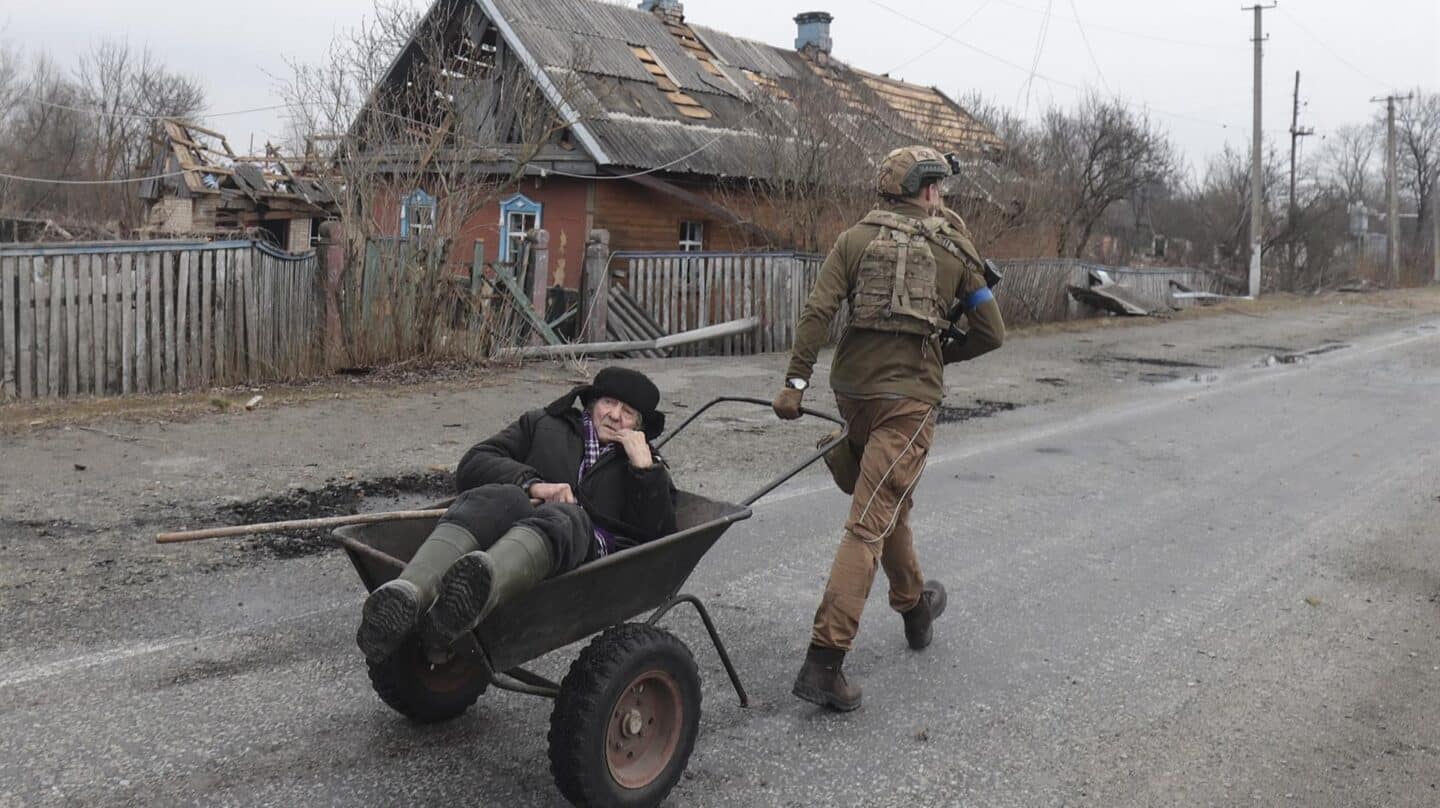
[[892, 438]]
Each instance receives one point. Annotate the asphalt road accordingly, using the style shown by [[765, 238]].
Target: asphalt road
[[1219, 590]]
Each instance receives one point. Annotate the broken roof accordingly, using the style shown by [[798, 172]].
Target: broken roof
[[208, 167], [648, 90]]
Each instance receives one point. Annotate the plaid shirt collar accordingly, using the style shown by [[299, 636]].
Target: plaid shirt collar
[[593, 450]]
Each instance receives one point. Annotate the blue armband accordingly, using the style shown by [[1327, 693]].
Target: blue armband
[[977, 297]]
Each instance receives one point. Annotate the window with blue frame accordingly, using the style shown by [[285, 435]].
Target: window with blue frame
[[417, 214], [518, 215]]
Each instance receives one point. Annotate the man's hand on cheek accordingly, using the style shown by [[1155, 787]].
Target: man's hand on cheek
[[636, 448]]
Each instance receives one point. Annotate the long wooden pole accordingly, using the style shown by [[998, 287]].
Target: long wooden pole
[[296, 524]]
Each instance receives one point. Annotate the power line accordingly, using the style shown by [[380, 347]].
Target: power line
[[46, 181], [1035, 61], [1049, 79], [942, 40], [1332, 51], [1083, 38], [135, 116], [1126, 32]]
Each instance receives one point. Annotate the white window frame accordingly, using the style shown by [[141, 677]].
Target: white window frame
[[692, 235]]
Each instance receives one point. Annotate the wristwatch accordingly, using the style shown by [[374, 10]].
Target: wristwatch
[[797, 384]]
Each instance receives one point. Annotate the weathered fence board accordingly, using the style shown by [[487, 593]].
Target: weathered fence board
[[8, 339], [138, 318]]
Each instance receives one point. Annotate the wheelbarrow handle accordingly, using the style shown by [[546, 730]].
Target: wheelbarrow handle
[[784, 477]]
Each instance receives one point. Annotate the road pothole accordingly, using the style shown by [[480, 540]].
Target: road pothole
[[981, 409], [335, 498]]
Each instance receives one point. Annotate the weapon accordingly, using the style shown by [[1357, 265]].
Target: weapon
[[952, 333]]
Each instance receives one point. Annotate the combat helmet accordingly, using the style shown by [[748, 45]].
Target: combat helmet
[[906, 169]]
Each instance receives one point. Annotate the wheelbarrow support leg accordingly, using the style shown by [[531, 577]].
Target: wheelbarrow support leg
[[714, 638]]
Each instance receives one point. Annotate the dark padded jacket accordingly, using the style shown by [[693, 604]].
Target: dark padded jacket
[[636, 505]]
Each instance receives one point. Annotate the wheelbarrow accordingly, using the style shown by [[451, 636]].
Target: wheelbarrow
[[626, 715]]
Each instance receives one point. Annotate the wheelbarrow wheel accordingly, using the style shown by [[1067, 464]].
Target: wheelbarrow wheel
[[625, 722], [426, 692]]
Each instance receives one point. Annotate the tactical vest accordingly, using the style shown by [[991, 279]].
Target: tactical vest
[[895, 290]]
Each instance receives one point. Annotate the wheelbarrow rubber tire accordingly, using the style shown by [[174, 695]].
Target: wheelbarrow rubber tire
[[604, 757], [426, 693]]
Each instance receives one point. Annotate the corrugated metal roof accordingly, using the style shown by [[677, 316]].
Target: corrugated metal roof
[[626, 24], [638, 123], [591, 54], [754, 56]]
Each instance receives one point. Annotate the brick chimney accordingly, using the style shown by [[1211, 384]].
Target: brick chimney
[[665, 9], [813, 31]]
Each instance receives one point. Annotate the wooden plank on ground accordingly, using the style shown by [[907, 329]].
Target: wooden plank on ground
[[9, 337], [72, 326], [26, 347]]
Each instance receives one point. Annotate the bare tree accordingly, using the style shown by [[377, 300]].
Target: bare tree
[[91, 124], [1417, 133], [127, 89], [428, 120], [1348, 161], [1096, 156], [813, 167]]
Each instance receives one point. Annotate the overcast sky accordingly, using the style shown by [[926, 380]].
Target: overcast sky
[[1188, 63]]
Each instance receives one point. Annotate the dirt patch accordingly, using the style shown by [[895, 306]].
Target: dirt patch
[[1053, 381], [336, 498], [1324, 349], [981, 409]]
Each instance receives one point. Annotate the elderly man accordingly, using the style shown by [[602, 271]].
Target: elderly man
[[602, 488]]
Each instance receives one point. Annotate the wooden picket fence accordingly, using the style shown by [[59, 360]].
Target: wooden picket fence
[[683, 291], [149, 317]]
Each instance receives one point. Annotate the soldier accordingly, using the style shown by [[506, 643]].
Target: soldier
[[899, 268]]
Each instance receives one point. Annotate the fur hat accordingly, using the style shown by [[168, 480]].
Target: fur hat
[[631, 387]]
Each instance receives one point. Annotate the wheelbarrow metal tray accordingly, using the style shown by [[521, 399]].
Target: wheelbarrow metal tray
[[572, 606]]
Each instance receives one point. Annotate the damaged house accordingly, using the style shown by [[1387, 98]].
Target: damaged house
[[210, 191], [673, 136]]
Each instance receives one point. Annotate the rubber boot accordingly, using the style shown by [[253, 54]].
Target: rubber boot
[[393, 610], [921, 616], [482, 580], [822, 680]]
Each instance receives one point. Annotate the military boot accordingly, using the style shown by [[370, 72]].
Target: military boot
[[484, 579], [393, 610], [921, 616], [821, 680]]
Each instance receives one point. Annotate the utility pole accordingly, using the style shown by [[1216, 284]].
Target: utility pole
[[1392, 190], [1257, 182], [1296, 132]]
